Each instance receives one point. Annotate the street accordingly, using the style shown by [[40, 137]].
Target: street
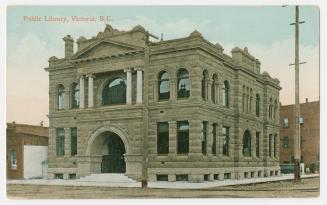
[[307, 188]]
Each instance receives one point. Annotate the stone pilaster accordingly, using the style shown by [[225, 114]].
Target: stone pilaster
[[128, 86], [194, 138], [81, 93], [139, 85], [67, 141], [172, 138], [90, 91]]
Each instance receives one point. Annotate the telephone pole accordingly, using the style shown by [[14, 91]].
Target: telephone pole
[[297, 142]]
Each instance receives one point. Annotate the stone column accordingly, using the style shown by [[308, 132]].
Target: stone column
[[128, 86], [219, 140], [209, 82], [81, 92], [194, 137], [139, 85], [172, 138], [173, 89], [67, 141], [90, 93]]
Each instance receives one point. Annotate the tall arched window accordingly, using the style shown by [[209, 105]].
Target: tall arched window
[[114, 92], [213, 88], [257, 105], [270, 109], [61, 97], [163, 86], [204, 85], [183, 84], [275, 109], [75, 95], [247, 144], [226, 93]]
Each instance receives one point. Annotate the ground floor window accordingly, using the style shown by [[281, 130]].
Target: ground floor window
[[73, 146], [182, 137], [162, 138], [13, 159], [60, 142], [257, 144], [225, 133], [214, 140], [204, 138], [182, 177]]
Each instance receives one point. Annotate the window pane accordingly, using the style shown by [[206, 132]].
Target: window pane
[[247, 144], [163, 138], [73, 141], [183, 84], [61, 97], [225, 133], [60, 145], [182, 137], [114, 92], [214, 140], [13, 159], [257, 143], [75, 96]]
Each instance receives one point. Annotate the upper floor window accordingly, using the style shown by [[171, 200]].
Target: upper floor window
[[164, 86], [114, 92], [247, 144], [257, 105], [285, 122], [270, 108], [275, 109], [75, 95], [183, 84], [301, 121], [61, 97], [285, 142], [182, 137], [226, 93], [204, 90], [213, 88]]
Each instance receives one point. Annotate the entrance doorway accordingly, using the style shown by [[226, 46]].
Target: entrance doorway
[[113, 155]]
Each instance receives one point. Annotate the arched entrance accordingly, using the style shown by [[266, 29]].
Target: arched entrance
[[113, 151]]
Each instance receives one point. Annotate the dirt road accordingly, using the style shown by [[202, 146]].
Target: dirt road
[[307, 188]]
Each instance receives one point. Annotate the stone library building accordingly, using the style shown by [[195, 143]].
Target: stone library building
[[164, 110]]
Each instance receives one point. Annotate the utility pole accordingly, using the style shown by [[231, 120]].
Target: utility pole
[[297, 142]]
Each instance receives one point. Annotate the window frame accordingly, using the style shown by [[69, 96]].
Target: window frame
[[60, 142], [187, 87], [163, 137], [225, 141], [181, 134], [161, 96]]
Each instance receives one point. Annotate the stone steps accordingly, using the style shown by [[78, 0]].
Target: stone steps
[[107, 177]]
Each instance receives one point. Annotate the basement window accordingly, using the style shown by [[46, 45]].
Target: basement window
[[182, 177], [162, 177]]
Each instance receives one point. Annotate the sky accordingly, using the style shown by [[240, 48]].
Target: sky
[[265, 30]]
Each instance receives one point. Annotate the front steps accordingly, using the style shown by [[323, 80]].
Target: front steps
[[107, 177]]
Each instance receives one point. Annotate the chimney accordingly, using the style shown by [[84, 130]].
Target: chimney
[[41, 123], [306, 100], [69, 46]]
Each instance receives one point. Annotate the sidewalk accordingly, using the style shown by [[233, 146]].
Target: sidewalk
[[166, 185]]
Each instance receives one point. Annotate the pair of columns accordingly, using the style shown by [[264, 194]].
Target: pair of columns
[[82, 91], [139, 85], [139, 90]]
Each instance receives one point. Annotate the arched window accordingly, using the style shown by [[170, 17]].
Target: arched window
[[275, 108], [204, 85], [75, 95], [183, 84], [257, 105], [226, 93], [61, 97], [247, 144], [270, 109], [213, 88], [114, 92], [163, 87]]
